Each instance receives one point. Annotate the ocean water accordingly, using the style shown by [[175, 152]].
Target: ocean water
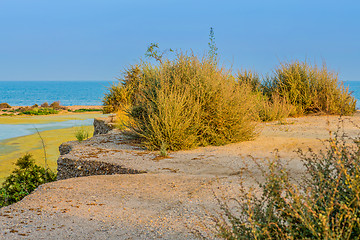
[[69, 93], [354, 87]]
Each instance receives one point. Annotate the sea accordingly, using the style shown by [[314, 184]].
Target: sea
[[354, 87], [69, 93]]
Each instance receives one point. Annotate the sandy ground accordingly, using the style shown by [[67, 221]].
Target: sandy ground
[[176, 198]]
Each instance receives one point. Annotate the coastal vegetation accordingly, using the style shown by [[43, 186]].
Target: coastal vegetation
[[82, 134], [26, 177], [43, 109], [36, 111], [310, 89], [325, 204], [189, 102], [185, 103], [81, 110]]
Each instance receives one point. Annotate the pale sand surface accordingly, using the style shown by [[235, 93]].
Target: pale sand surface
[[168, 202]]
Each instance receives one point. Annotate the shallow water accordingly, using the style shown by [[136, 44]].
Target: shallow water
[[18, 136], [17, 130], [13, 148]]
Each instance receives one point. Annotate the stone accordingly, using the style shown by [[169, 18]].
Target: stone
[[103, 125]]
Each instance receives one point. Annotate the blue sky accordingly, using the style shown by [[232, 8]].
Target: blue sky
[[97, 39]]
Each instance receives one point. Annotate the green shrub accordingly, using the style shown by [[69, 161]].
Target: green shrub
[[38, 111], [82, 134], [23, 180], [324, 205], [310, 89], [86, 110], [43, 110], [189, 102]]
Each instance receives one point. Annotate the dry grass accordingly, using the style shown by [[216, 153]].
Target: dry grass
[[324, 205], [122, 94], [184, 103], [310, 89], [275, 109], [189, 102]]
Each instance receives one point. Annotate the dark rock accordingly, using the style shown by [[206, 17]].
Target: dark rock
[[103, 125], [65, 148], [69, 168]]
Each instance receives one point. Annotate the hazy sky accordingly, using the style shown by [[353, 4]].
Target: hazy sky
[[97, 39]]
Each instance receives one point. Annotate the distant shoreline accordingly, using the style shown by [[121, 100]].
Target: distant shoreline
[[64, 110], [72, 108]]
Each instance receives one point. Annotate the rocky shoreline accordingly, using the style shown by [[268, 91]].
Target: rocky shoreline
[[172, 198]]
